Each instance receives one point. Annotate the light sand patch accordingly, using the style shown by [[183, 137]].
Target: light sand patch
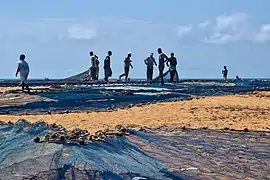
[[17, 88], [236, 112]]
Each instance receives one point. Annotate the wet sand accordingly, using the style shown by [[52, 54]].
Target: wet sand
[[237, 112]]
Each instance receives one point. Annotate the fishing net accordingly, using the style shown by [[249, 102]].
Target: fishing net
[[116, 158], [167, 77], [153, 154]]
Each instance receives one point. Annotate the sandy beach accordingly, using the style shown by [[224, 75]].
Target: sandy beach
[[237, 112], [16, 88]]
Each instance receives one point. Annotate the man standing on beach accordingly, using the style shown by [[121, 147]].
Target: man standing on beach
[[150, 61], [161, 64], [23, 69], [173, 62], [107, 66], [127, 64], [225, 73], [93, 67]]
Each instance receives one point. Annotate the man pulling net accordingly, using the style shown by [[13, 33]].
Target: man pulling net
[[172, 63]]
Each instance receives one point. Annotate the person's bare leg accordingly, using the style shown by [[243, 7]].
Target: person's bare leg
[[22, 84], [126, 74], [161, 76], [122, 75], [27, 87]]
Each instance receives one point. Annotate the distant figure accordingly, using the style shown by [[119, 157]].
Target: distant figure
[[173, 62], [161, 64], [127, 64], [225, 73], [97, 67], [23, 69], [238, 78], [91, 65], [107, 66], [150, 61]]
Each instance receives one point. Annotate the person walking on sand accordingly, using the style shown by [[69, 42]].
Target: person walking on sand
[[162, 59], [23, 69], [150, 62], [225, 73], [127, 64], [172, 67], [107, 66]]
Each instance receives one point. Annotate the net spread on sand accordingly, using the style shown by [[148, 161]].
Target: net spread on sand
[[100, 97], [152, 153]]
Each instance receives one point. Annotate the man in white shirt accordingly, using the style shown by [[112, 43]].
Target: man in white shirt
[[23, 69]]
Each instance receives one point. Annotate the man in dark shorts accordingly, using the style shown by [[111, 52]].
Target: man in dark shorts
[[173, 62], [127, 64], [161, 64], [150, 62], [107, 66]]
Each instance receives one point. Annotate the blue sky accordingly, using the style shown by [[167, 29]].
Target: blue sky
[[56, 36]]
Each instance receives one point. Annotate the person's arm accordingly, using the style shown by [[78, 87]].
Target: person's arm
[[145, 61], [131, 65], [175, 61], [166, 58], [154, 61], [167, 62], [18, 70]]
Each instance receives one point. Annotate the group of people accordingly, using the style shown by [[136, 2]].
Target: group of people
[[94, 69], [150, 62], [163, 59]]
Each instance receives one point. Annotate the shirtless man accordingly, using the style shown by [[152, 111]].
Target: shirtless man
[[127, 64], [162, 59], [23, 69]]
